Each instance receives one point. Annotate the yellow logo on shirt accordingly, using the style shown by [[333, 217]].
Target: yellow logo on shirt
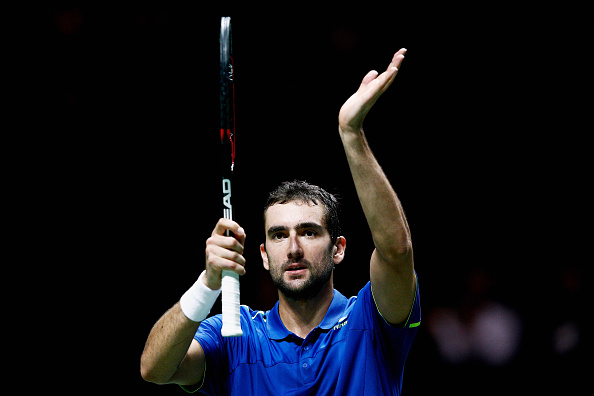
[[340, 324]]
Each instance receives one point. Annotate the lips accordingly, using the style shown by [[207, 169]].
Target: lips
[[293, 267]]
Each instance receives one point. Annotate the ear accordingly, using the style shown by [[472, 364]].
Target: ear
[[264, 257], [338, 250]]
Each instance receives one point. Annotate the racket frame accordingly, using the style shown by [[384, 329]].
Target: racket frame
[[230, 280]]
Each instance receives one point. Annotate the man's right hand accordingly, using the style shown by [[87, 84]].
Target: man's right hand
[[224, 252]]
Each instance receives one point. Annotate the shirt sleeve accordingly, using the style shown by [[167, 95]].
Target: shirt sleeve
[[394, 342], [414, 316]]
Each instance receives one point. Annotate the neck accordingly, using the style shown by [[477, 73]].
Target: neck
[[302, 316]]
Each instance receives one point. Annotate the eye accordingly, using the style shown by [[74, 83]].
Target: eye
[[278, 236], [310, 233]]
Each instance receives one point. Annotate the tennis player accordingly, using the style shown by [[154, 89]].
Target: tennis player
[[314, 341]]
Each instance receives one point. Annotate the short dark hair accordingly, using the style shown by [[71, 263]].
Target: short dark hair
[[297, 190]]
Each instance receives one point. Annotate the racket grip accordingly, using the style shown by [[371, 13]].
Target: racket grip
[[230, 305]]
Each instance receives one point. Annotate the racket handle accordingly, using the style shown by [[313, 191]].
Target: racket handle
[[230, 305]]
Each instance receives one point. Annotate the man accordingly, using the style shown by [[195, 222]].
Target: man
[[314, 341]]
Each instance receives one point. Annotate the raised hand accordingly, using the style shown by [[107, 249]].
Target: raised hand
[[354, 110], [224, 252]]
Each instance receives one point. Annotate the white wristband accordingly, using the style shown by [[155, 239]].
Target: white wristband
[[198, 300]]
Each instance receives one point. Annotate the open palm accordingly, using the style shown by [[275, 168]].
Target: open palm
[[354, 110]]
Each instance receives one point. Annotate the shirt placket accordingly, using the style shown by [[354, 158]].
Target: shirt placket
[[306, 360]]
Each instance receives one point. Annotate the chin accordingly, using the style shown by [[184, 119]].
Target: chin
[[300, 289]]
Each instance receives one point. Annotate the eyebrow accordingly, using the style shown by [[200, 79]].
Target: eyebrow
[[314, 226]]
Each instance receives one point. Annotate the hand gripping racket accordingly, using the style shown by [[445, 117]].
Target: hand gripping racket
[[230, 280]]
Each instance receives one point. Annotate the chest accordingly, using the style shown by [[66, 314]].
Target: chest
[[310, 366]]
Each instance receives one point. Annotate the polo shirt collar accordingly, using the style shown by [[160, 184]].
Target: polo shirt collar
[[335, 311], [278, 331]]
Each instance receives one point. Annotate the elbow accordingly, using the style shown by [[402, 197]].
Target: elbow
[[408, 250], [146, 375], [149, 374], [397, 255], [403, 249]]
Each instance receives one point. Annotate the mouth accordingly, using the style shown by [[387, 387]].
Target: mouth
[[296, 268]]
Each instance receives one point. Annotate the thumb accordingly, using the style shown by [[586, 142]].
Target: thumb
[[369, 77]]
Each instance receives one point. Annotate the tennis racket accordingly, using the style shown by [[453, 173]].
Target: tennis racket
[[230, 280]]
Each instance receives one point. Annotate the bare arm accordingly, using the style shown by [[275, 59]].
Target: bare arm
[[391, 266], [171, 355]]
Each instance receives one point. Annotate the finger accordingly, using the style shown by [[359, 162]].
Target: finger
[[397, 61], [387, 77], [226, 242], [219, 259], [214, 252], [378, 86], [241, 237], [227, 224], [217, 264], [397, 58], [390, 75], [369, 77], [394, 66]]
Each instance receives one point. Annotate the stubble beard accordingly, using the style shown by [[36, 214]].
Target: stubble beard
[[310, 287]]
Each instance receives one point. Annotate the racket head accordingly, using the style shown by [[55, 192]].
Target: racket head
[[227, 98]]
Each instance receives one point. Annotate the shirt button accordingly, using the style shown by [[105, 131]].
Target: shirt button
[[304, 365], [306, 348]]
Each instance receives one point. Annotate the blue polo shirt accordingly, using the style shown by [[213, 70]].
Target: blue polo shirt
[[354, 351]]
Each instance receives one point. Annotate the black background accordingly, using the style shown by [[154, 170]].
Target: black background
[[473, 136]]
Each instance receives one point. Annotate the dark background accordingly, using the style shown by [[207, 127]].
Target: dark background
[[472, 135]]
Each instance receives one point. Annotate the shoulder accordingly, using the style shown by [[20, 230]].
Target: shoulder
[[251, 320], [246, 314]]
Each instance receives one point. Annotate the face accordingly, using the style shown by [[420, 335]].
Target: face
[[298, 251]]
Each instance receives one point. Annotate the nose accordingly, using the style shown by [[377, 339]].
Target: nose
[[295, 252]]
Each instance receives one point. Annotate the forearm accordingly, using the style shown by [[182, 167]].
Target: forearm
[[169, 354], [167, 345], [380, 203]]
